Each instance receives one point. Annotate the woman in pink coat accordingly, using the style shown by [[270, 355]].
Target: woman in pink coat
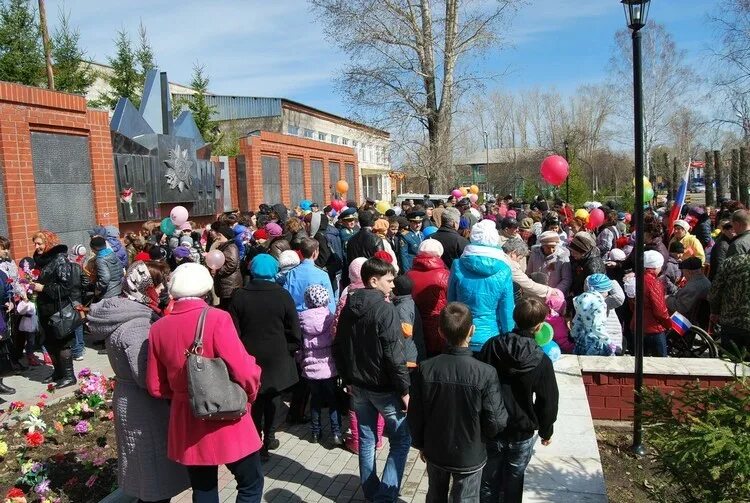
[[203, 445]]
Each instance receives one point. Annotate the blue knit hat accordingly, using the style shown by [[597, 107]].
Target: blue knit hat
[[598, 283], [264, 266]]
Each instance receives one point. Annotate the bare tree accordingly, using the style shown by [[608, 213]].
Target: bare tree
[[667, 80], [732, 21], [685, 128], [409, 63]]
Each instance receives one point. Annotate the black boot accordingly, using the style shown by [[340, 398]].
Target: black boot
[[6, 390], [68, 373]]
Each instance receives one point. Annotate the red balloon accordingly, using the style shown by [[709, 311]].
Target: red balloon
[[554, 169], [596, 218], [338, 204]]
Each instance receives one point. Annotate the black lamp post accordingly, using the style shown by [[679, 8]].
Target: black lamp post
[[636, 12], [567, 178]]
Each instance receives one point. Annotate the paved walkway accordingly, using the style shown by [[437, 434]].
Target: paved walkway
[[568, 470]]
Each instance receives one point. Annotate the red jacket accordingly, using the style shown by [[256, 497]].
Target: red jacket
[[430, 294], [655, 314], [190, 440]]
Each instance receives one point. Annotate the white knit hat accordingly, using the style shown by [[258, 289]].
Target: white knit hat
[[432, 247], [683, 224], [485, 233], [190, 280], [288, 258], [653, 260]]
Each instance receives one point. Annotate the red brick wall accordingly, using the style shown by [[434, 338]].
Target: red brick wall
[[285, 146], [25, 109], [611, 395]]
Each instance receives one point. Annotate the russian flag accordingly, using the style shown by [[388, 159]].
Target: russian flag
[[679, 199], [680, 324]]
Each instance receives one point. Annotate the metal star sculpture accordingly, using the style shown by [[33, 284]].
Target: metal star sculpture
[[178, 174]]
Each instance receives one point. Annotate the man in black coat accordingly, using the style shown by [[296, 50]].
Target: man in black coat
[[369, 354], [455, 407], [364, 243], [453, 242], [530, 395]]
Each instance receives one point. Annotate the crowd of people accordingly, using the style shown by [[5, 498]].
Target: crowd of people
[[419, 324]]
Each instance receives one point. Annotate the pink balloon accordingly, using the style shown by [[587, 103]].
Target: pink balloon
[[502, 210], [628, 217], [215, 259], [596, 218], [473, 198], [554, 169], [338, 204], [457, 193], [179, 215]]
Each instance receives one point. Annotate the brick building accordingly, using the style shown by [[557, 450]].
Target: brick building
[[56, 164]]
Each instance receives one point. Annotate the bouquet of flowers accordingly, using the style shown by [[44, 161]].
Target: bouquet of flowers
[[27, 277], [126, 196]]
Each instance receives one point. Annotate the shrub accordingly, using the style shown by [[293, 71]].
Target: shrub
[[701, 439]]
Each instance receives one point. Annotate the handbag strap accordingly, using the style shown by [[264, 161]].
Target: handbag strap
[[198, 340]]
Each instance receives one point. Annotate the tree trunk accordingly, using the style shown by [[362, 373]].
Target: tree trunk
[[719, 176], [47, 45], [744, 178], [734, 181], [709, 179]]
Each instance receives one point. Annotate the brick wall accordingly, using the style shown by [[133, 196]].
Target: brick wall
[[24, 110], [286, 146], [610, 395]]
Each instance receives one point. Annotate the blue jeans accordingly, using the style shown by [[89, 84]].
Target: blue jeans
[[502, 477], [247, 471], [323, 392], [367, 405], [655, 344], [78, 347]]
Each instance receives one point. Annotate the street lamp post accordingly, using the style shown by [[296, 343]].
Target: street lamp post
[[636, 12], [567, 178], [487, 152]]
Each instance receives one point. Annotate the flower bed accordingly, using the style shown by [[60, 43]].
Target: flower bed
[[64, 452]]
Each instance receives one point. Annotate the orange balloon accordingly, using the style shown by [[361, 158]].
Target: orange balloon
[[342, 186], [474, 189], [464, 191]]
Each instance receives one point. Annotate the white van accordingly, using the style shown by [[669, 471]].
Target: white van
[[417, 198]]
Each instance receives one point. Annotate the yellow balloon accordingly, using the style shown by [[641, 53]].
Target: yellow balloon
[[474, 189], [464, 191], [582, 214], [382, 206]]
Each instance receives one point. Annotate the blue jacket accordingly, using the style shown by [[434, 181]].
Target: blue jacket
[[410, 242], [481, 279], [304, 275], [334, 242]]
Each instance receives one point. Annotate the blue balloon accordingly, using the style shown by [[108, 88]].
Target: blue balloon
[[552, 350], [305, 204], [429, 231]]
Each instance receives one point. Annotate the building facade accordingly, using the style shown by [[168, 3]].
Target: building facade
[[370, 146]]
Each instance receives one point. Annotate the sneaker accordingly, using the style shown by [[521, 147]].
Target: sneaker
[[272, 444], [315, 438], [351, 446], [78, 358], [337, 441], [47, 359]]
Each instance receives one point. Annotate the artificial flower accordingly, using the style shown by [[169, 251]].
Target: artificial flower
[[34, 423], [3, 449], [82, 427], [42, 488], [57, 425], [17, 406], [34, 439], [51, 387], [90, 482], [15, 495], [35, 410], [26, 467], [43, 396]]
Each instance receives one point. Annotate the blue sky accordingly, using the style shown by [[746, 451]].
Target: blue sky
[[260, 48]]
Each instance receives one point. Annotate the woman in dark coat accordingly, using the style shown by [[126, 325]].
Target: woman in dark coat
[[55, 287], [141, 421], [585, 260], [267, 323]]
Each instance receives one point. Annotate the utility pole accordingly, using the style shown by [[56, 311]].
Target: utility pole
[[567, 178], [47, 46]]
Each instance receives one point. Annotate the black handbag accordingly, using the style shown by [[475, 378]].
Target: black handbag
[[65, 321], [213, 395]]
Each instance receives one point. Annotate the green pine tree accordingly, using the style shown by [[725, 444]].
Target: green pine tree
[[202, 111], [125, 80], [72, 73], [144, 55], [21, 55]]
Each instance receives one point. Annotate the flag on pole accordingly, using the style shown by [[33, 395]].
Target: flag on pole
[[680, 324], [679, 199]]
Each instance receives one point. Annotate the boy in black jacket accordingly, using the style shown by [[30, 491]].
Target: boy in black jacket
[[447, 392], [369, 354], [529, 389]]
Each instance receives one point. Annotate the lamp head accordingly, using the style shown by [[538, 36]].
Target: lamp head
[[636, 13]]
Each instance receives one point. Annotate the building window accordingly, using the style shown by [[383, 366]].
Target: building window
[[309, 133], [292, 130], [345, 141], [378, 157], [355, 144], [322, 136], [334, 138]]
